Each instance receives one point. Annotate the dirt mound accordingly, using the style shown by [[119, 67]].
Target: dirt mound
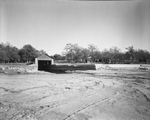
[[17, 69]]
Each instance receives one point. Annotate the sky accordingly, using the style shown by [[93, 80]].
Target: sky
[[50, 24]]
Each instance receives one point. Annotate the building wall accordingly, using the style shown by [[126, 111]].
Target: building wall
[[36, 61]]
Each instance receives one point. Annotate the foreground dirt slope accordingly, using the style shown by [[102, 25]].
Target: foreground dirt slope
[[104, 94]]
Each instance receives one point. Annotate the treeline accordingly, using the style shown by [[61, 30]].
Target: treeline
[[76, 53], [11, 54], [73, 53]]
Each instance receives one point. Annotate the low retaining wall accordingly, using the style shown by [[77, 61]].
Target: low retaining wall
[[63, 68], [122, 66]]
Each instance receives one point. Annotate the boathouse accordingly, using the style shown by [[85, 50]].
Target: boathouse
[[43, 62]]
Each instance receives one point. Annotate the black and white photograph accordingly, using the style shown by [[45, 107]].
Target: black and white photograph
[[74, 59]]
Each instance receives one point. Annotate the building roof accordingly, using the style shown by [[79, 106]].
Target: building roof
[[44, 57]]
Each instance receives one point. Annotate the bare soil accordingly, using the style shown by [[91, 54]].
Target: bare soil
[[109, 93]]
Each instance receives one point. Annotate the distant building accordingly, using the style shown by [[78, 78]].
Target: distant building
[[43, 62]]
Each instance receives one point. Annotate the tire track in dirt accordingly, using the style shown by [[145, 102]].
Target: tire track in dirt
[[45, 109], [145, 96], [25, 114], [19, 91], [83, 108], [115, 75], [12, 110], [86, 95], [7, 90], [22, 111], [64, 101], [90, 91], [84, 103], [53, 106]]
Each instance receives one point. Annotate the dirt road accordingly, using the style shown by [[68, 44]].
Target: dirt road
[[104, 94]]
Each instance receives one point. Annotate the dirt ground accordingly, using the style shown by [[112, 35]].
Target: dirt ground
[[109, 93]]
